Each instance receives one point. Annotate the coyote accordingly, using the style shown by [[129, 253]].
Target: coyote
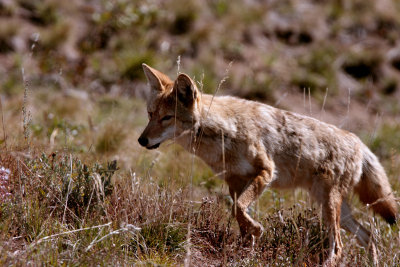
[[253, 145]]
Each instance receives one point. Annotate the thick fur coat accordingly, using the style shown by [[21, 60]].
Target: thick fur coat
[[253, 145]]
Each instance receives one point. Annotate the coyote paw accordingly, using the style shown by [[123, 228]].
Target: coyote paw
[[330, 262], [256, 230], [252, 232]]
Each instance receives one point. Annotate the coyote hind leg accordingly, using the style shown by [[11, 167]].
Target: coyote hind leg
[[331, 210], [350, 224]]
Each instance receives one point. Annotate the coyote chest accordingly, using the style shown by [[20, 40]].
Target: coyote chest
[[220, 153]]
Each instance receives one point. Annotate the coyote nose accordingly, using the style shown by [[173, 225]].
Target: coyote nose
[[143, 141]]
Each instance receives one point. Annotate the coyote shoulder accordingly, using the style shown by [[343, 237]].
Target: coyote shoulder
[[255, 145]]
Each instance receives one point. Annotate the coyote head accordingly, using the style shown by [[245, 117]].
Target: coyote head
[[173, 107]]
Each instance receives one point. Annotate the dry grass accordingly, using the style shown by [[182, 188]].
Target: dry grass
[[89, 214]]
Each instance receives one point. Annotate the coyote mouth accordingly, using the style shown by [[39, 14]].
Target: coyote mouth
[[154, 146]]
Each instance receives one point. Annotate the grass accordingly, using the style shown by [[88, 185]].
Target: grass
[[73, 212], [110, 138], [76, 188], [64, 203]]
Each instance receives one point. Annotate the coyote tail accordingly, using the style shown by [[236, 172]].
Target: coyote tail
[[374, 188]]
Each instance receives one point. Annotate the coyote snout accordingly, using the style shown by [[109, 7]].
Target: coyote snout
[[143, 141], [154, 142], [257, 146]]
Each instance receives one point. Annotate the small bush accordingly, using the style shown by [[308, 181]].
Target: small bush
[[110, 138], [87, 187], [130, 63], [160, 238], [386, 141], [363, 65], [40, 12]]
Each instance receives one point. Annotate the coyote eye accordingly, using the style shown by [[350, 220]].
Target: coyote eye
[[166, 118], [150, 114]]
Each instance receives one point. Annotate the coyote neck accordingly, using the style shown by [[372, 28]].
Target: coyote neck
[[213, 134]]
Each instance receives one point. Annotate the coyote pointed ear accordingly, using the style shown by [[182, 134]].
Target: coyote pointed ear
[[186, 90], [156, 79]]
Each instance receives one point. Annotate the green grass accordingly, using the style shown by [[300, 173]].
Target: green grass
[[386, 142]]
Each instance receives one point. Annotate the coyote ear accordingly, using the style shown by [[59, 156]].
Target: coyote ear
[[186, 90], [156, 79]]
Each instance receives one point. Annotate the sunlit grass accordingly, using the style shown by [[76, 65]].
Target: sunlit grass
[[63, 206], [65, 203]]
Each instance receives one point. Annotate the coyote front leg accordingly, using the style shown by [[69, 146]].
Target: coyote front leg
[[243, 196]]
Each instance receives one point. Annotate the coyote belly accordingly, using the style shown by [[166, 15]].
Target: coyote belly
[[255, 145]]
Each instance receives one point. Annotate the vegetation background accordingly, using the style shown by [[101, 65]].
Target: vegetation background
[[76, 188]]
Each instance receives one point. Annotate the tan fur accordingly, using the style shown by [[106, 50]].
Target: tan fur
[[264, 146]]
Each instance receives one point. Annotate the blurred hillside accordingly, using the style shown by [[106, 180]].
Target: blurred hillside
[[77, 189], [340, 51]]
